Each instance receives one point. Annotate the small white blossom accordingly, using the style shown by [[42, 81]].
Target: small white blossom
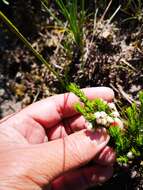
[[112, 106], [104, 121], [115, 114], [99, 121], [103, 114], [130, 155], [109, 119], [97, 114]]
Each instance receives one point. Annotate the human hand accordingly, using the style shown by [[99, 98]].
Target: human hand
[[48, 143]]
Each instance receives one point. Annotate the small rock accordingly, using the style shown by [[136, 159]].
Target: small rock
[[133, 174], [2, 92], [18, 75], [130, 155], [141, 163], [26, 100]]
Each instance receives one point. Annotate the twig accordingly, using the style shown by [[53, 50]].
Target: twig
[[124, 94], [106, 10], [61, 38], [128, 64], [36, 96], [113, 15], [121, 91]]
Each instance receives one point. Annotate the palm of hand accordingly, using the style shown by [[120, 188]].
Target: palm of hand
[[22, 135]]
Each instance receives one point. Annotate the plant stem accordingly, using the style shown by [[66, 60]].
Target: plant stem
[[29, 46], [45, 5]]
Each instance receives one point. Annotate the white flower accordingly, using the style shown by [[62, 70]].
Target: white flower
[[109, 119], [99, 121], [112, 106], [97, 114], [115, 114], [103, 114], [104, 121]]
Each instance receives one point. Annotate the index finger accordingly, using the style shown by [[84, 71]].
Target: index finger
[[52, 110]]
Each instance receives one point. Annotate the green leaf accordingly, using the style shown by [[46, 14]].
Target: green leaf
[[122, 159], [133, 119], [100, 105], [117, 137]]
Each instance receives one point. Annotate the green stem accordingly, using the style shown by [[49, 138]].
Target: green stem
[[45, 5], [29, 46]]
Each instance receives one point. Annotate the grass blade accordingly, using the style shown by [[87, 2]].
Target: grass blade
[[28, 45]]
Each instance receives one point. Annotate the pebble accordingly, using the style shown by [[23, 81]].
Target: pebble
[[133, 174], [2, 92], [130, 155]]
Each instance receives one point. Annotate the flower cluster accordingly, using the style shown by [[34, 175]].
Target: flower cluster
[[107, 120]]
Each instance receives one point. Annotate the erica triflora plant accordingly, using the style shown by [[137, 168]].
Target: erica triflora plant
[[126, 133]]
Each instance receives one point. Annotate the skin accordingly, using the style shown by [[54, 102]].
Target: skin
[[47, 146]]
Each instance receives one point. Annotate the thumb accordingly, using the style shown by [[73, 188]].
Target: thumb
[[56, 157]]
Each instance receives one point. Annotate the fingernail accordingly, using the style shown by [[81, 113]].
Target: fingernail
[[46, 139], [99, 136], [110, 157], [106, 157]]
